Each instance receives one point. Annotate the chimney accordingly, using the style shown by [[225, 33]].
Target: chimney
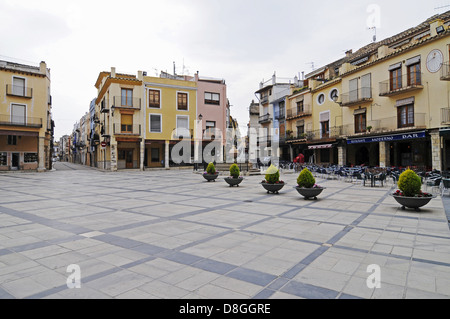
[[196, 77], [43, 67], [348, 53], [140, 76], [113, 72]]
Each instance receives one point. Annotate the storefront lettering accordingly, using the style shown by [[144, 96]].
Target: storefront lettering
[[387, 138]]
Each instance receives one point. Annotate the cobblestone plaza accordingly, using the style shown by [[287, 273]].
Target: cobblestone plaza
[[170, 234]]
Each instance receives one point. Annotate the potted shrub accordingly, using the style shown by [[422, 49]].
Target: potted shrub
[[307, 186], [409, 193], [369, 128], [211, 173], [234, 178], [272, 182]]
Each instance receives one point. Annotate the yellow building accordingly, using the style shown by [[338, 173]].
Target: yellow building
[[171, 116], [119, 115], [26, 125], [395, 99]]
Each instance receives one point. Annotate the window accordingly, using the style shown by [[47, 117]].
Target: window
[[414, 76], [334, 94], [18, 87], [12, 140], [360, 123], [154, 98], [212, 98], [300, 131], [182, 101], [325, 128], [30, 158], [3, 159], [300, 107], [18, 114], [155, 123], [396, 79], [127, 97], [282, 108], [353, 87], [155, 155], [122, 155], [183, 126], [321, 98], [405, 115], [127, 123]]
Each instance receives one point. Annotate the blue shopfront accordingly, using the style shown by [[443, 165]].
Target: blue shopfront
[[400, 150]]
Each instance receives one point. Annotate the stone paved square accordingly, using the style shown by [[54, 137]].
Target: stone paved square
[[170, 234]]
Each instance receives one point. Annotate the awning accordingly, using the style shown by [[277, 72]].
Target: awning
[[315, 147]]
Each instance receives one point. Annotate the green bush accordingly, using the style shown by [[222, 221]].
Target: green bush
[[306, 179], [234, 171], [409, 183], [273, 175], [211, 169]]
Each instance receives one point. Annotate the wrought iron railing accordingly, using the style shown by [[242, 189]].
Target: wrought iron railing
[[127, 102], [126, 129], [400, 84], [17, 90], [6, 119], [356, 96]]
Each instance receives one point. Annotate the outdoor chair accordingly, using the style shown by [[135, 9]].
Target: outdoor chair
[[445, 185], [379, 178]]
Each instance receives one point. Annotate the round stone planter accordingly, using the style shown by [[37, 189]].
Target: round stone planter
[[273, 188], [412, 202], [233, 181], [210, 177], [308, 193]]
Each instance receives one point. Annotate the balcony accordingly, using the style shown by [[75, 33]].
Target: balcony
[[104, 131], [19, 91], [319, 135], [212, 134], [384, 125], [32, 122], [127, 103], [445, 71], [359, 96], [405, 83], [265, 141], [445, 116], [180, 133], [127, 129], [265, 119], [295, 113]]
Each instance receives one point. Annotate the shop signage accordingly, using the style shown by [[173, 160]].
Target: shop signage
[[387, 138]]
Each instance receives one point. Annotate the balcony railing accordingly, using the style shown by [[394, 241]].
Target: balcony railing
[[358, 96], [126, 129], [180, 133], [298, 112], [9, 120], [445, 71], [211, 134], [265, 119], [384, 125], [406, 83], [445, 115], [21, 91], [124, 102], [317, 135]]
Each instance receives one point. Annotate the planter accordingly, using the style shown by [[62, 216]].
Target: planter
[[233, 181], [413, 202], [308, 193], [211, 177], [273, 188]]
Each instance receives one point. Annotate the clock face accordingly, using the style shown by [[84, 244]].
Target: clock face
[[434, 61]]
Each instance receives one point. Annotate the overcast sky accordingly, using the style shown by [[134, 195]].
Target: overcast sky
[[243, 42]]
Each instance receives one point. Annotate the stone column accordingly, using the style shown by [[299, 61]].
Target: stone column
[[41, 154], [342, 155], [383, 154], [142, 155], [113, 160], [436, 150], [166, 158]]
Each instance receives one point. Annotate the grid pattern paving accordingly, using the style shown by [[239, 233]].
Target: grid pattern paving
[[170, 234]]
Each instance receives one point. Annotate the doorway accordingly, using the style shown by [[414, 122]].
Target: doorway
[[129, 158], [362, 156], [15, 158]]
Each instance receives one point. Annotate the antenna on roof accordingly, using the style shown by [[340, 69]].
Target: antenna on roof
[[374, 39], [312, 65]]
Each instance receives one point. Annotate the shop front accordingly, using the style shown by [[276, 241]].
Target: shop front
[[408, 149]]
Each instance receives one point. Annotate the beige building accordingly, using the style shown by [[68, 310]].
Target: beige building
[[26, 125]]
